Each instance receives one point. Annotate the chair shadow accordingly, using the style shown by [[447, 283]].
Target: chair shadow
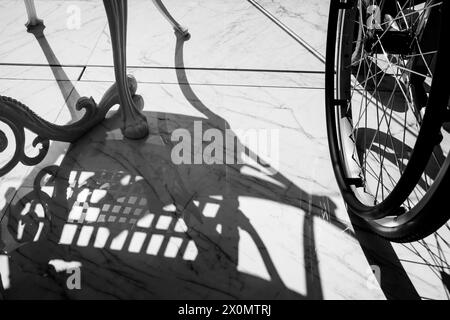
[[151, 215], [143, 227], [133, 198], [66, 87]]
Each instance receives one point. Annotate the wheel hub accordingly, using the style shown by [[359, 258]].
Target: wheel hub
[[390, 42]]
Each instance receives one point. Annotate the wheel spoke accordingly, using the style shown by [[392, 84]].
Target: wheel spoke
[[381, 89]]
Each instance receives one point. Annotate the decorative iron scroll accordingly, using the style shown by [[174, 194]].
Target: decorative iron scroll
[[18, 117]]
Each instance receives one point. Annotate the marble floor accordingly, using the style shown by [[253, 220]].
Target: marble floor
[[137, 226]]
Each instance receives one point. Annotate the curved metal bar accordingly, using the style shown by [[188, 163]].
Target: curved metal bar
[[18, 117], [178, 27]]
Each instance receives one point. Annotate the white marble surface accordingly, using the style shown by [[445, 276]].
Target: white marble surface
[[237, 38], [240, 231], [214, 77], [45, 72], [72, 45], [225, 34], [253, 205], [307, 18]]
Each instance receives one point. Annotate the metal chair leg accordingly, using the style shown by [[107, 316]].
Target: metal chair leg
[[184, 31], [33, 19], [135, 124]]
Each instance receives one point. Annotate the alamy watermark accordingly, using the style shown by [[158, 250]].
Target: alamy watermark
[[74, 19], [72, 268], [73, 282], [214, 146]]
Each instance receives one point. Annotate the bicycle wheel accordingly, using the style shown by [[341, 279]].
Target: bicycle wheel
[[385, 103]]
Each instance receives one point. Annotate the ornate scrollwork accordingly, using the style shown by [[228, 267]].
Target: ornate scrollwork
[[29, 219], [18, 117]]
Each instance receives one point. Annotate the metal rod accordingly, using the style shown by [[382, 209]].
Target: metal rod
[[296, 37]]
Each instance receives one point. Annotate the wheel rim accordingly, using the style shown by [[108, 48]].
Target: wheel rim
[[381, 121]]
